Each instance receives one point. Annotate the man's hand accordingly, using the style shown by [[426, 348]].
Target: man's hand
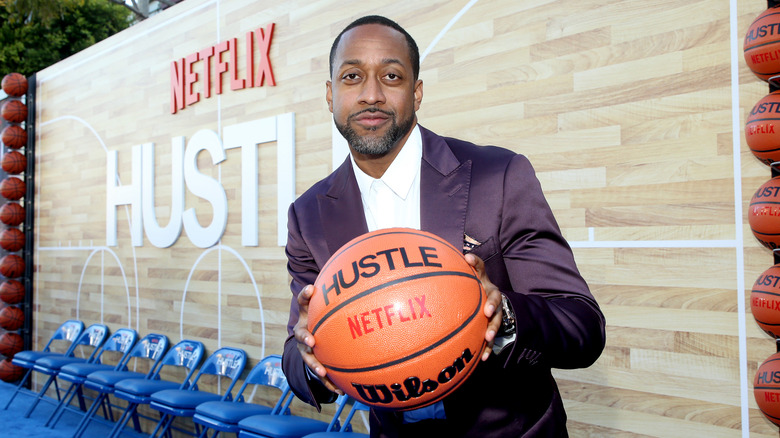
[[306, 340], [492, 307]]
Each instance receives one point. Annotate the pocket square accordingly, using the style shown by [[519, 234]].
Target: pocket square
[[469, 243]]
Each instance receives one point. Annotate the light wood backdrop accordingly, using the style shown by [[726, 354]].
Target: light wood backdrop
[[626, 109]]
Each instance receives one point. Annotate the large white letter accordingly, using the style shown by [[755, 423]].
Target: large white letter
[[205, 187], [163, 237], [117, 194]]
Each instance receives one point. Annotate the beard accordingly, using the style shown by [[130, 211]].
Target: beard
[[375, 145]]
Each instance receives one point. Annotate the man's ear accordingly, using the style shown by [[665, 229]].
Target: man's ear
[[418, 94], [329, 95]]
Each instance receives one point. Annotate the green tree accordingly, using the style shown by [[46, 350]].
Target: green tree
[[35, 34]]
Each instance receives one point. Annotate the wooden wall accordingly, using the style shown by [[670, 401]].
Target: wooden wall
[[627, 109]]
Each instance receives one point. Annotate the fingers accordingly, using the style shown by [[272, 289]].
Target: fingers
[[306, 340], [494, 313]]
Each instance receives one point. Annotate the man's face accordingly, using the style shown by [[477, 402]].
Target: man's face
[[373, 95]]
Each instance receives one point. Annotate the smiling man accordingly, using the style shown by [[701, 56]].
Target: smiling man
[[483, 199]]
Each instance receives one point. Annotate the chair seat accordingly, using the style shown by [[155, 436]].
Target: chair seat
[[106, 380], [78, 372], [181, 399], [228, 412], [282, 426], [53, 364], [26, 359], [141, 390]]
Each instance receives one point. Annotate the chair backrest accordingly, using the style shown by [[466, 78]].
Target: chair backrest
[[346, 425], [151, 347], [268, 372], [68, 331], [187, 354], [94, 336], [226, 362], [122, 341]]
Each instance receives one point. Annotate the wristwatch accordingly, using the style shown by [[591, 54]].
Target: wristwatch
[[508, 318]]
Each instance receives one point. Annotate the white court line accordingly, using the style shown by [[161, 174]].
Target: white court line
[[736, 140]]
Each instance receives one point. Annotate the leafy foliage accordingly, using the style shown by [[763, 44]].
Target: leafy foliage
[[35, 34]]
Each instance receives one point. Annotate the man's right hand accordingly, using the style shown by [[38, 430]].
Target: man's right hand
[[306, 340]]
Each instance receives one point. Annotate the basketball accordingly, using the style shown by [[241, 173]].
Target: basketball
[[762, 44], [762, 130], [13, 188], [14, 162], [12, 213], [765, 301], [10, 372], [764, 213], [12, 239], [12, 292], [14, 84], [398, 319], [10, 344], [12, 266], [766, 388], [14, 136], [15, 111], [11, 318]]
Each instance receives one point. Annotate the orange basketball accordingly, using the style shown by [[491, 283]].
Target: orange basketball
[[12, 266], [398, 319], [11, 318], [762, 44], [762, 130], [14, 111], [14, 162], [766, 388], [14, 136], [764, 213], [10, 372], [12, 292], [14, 84], [13, 188], [12, 213], [12, 239], [10, 344], [765, 301]]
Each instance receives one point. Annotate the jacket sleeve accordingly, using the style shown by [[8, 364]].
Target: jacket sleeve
[[558, 321], [303, 269]]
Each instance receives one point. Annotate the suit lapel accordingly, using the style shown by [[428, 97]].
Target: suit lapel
[[444, 190], [341, 209]]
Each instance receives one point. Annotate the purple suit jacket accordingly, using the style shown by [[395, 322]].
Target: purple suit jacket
[[492, 195]]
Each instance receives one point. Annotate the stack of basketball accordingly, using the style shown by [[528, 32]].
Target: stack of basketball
[[12, 215], [762, 131]]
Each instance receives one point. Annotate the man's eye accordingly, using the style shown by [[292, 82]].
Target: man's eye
[[351, 76], [392, 76]]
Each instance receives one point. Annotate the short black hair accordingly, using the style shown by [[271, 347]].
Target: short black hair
[[414, 52]]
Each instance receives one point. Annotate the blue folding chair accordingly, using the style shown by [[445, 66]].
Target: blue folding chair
[[50, 365], [226, 362], [149, 349], [288, 426], [186, 355], [120, 343], [223, 416], [346, 429], [68, 332]]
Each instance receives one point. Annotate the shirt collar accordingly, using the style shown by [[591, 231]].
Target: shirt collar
[[402, 171]]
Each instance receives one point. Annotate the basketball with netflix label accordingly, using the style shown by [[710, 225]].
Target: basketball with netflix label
[[397, 317]]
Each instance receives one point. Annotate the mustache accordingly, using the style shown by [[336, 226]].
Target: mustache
[[372, 110]]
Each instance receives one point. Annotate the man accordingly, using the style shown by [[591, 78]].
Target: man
[[484, 199]]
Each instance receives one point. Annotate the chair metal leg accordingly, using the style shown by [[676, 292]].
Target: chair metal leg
[[122, 421], [62, 404], [40, 395], [18, 388], [88, 416]]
